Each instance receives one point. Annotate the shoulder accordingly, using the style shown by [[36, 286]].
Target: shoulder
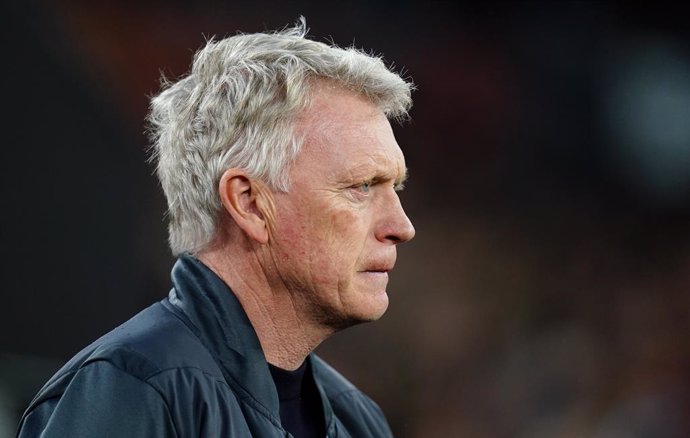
[[150, 369], [153, 346], [153, 341]]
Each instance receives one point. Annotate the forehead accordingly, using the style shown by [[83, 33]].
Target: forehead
[[347, 136]]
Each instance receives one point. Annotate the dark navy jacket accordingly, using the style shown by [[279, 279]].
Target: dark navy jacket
[[188, 366]]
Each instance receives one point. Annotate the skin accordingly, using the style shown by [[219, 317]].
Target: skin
[[312, 261]]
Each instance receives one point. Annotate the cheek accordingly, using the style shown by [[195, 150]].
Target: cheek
[[341, 233], [320, 237], [333, 238]]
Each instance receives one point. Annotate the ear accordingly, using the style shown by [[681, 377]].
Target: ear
[[240, 196]]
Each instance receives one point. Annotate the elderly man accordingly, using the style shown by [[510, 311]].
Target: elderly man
[[281, 173]]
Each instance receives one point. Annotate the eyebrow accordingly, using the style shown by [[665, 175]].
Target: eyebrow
[[364, 172], [403, 178]]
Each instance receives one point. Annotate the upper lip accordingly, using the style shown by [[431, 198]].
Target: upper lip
[[381, 266]]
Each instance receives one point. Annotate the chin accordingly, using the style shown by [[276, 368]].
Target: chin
[[372, 308], [367, 309]]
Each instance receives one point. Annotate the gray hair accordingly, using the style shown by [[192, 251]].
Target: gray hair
[[236, 109]]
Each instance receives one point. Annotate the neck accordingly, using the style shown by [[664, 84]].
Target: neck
[[285, 332]]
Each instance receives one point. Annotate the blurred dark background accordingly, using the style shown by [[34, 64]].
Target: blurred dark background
[[547, 293]]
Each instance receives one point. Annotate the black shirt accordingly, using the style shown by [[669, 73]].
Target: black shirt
[[301, 412]]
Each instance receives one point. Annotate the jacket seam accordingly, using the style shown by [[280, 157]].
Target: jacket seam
[[165, 402], [346, 392], [158, 371]]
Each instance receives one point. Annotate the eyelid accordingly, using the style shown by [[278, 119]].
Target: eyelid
[[397, 186], [368, 183]]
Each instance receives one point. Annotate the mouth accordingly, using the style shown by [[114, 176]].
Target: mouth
[[381, 275], [378, 269], [380, 266], [376, 276]]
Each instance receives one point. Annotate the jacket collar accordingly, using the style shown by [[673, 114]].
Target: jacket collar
[[218, 319]]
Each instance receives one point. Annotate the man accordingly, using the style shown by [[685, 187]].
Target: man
[[280, 170]]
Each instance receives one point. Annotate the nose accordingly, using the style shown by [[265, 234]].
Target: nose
[[395, 227]]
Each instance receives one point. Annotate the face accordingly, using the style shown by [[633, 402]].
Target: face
[[334, 236]]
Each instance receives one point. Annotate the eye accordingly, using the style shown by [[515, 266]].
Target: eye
[[362, 188], [365, 187]]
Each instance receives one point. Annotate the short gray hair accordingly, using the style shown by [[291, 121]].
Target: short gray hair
[[236, 108]]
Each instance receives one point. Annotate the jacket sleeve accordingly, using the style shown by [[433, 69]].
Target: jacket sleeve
[[100, 401]]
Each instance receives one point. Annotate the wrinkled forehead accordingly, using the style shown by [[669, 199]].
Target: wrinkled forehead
[[349, 135], [330, 105]]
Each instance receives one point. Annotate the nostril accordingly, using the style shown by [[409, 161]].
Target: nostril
[[393, 238]]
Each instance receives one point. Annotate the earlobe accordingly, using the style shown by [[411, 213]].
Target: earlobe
[[241, 197]]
